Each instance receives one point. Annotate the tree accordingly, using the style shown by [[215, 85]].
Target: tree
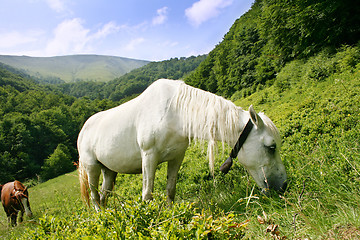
[[300, 28], [270, 34], [58, 163]]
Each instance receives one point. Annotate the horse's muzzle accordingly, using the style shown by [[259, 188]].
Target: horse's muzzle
[[284, 187], [281, 189]]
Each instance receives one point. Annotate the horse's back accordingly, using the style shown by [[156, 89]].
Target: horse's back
[[9, 187], [5, 193], [147, 105]]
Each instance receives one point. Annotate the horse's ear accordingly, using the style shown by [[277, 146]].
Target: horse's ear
[[25, 189], [255, 118]]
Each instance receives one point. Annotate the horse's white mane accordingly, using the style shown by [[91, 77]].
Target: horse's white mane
[[207, 116]]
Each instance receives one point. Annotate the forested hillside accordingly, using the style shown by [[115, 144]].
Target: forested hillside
[[38, 128], [39, 123], [134, 82], [12, 77], [272, 33]]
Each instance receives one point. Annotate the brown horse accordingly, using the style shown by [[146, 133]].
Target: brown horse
[[15, 198]]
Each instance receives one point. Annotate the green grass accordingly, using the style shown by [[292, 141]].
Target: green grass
[[58, 196], [318, 119]]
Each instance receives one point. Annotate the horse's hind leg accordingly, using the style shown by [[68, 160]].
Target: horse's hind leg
[[21, 215], [107, 185], [93, 172]]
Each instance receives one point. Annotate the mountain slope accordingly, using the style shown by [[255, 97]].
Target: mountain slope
[[11, 77], [135, 81], [269, 35], [73, 68]]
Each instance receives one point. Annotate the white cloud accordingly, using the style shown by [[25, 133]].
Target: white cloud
[[71, 37], [134, 43], [161, 16], [56, 5], [169, 44], [14, 38], [108, 29], [203, 10]]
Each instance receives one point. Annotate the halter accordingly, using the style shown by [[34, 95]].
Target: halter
[[225, 167]]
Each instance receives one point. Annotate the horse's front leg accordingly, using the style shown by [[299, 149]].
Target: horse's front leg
[[12, 218], [172, 172], [149, 164]]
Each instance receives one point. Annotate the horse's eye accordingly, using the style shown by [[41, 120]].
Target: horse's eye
[[271, 148]]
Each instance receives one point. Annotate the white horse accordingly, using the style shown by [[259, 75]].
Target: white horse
[[157, 127]]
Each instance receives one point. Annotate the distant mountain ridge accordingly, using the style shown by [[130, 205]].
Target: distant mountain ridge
[[73, 68]]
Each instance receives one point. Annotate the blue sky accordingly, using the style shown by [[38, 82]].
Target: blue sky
[[142, 29]]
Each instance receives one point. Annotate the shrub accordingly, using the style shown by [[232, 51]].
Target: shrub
[[59, 162], [140, 220]]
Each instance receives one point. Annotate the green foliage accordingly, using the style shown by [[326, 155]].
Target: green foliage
[[232, 64], [139, 220], [271, 34], [301, 28], [314, 104], [34, 122], [63, 216], [14, 79], [317, 68], [134, 82], [137, 80], [58, 163]]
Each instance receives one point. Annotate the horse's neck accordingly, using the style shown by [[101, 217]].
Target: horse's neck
[[229, 132], [215, 124], [206, 116]]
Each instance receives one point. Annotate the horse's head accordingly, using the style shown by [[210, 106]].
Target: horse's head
[[260, 153], [21, 196]]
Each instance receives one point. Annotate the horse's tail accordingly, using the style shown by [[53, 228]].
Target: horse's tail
[[84, 183]]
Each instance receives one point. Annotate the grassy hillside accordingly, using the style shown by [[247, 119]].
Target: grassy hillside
[[58, 196], [318, 117], [73, 68]]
